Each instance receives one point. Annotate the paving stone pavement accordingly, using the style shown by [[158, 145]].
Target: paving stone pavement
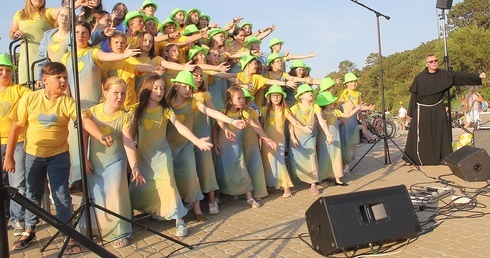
[[278, 227]]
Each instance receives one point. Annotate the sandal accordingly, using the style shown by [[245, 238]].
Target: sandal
[[200, 217], [287, 195], [120, 243], [24, 240], [72, 246], [253, 203]]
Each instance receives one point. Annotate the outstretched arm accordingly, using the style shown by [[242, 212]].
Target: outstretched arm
[[201, 143], [238, 123]]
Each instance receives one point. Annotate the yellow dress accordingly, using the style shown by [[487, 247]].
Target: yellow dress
[[276, 172], [33, 31]]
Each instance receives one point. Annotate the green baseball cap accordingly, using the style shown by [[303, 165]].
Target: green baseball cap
[[185, 77]]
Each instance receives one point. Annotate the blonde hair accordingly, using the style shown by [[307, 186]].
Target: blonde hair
[[28, 12], [114, 80]]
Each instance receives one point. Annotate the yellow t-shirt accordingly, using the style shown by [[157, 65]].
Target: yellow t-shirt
[[98, 111], [46, 122], [8, 98], [126, 70], [294, 110], [350, 98], [257, 81]]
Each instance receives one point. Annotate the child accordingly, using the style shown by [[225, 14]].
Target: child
[[273, 119], [159, 196], [349, 98], [233, 177], [303, 157], [9, 96], [107, 167], [329, 155], [251, 149], [46, 114], [202, 128], [184, 106]]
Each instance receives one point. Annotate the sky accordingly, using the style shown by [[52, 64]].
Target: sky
[[336, 30]]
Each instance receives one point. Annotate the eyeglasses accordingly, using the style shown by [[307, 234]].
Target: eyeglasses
[[432, 61]]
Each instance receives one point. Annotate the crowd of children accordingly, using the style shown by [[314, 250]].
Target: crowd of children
[[240, 125]]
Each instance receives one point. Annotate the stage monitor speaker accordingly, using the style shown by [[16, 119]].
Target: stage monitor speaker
[[353, 220], [481, 139], [444, 4], [470, 164]]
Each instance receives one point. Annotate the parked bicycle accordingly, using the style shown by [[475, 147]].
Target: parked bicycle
[[376, 125]]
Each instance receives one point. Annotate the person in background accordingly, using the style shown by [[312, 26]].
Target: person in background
[[473, 100], [402, 114]]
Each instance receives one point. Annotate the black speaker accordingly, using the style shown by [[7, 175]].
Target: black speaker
[[444, 4], [481, 139], [470, 163], [353, 220]]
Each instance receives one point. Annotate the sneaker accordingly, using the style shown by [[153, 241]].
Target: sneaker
[[253, 203], [18, 228], [213, 208], [181, 229]]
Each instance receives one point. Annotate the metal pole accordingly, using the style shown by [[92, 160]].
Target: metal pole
[[448, 67], [385, 138]]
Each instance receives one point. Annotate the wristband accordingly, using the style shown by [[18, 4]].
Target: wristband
[[232, 119]]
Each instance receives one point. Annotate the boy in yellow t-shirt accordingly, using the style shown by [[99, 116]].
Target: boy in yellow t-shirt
[[9, 96], [45, 114]]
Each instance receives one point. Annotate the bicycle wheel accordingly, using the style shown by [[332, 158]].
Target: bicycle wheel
[[399, 127], [390, 129]]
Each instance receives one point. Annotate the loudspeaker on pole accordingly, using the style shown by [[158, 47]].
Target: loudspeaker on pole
[[353, 220], [444, 4], [470, 164]]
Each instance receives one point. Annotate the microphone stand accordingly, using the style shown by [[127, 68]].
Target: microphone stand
[[380, 57]]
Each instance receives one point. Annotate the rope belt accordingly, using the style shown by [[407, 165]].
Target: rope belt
[[418, 124]]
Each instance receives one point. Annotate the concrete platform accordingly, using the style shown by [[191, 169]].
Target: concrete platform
[[278, 228]]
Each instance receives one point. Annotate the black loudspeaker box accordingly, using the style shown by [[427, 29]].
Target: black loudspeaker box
[[444, 4], [353, 220], [470, 164], [481, 139]]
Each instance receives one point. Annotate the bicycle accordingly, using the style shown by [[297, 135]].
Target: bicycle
[[376, 126], [399, 126]]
